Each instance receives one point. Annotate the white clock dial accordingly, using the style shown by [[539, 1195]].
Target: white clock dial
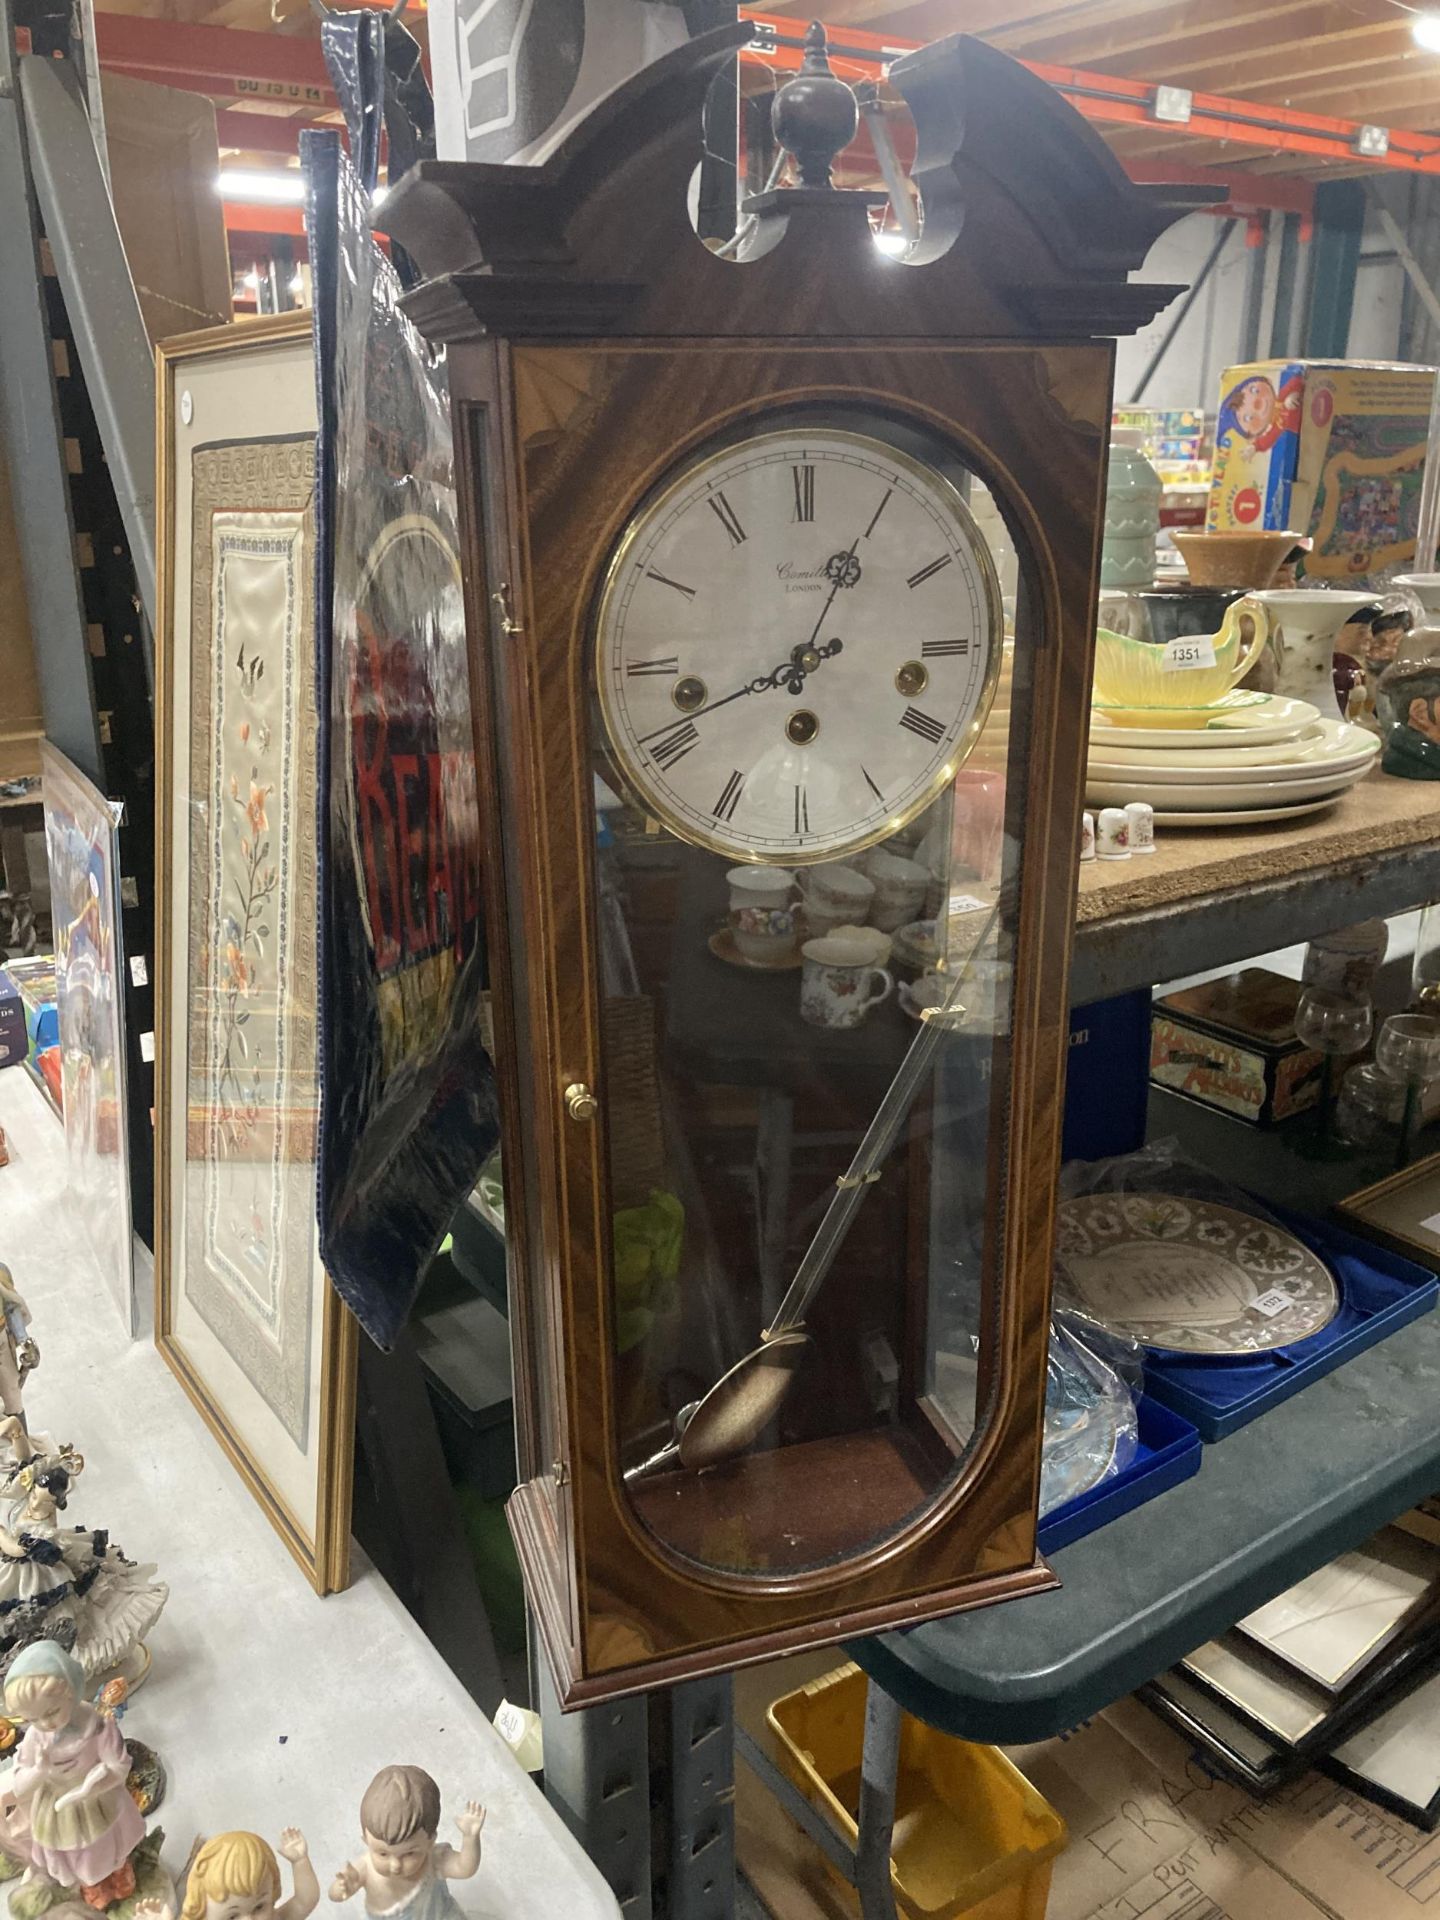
[[798, 643]]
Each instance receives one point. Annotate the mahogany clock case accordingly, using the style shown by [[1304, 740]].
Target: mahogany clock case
[[868, 1503]]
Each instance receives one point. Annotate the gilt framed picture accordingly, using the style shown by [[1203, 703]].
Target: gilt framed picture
[[245, 1315], [1402, 1212]]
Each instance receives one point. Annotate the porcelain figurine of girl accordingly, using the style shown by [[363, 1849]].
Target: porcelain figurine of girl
[[69, 1585], [403, 1869], [236, 1876], [69, 1784], [19, 1355]]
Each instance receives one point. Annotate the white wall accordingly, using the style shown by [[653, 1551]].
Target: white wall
[[1379, 290], [1208, 342]]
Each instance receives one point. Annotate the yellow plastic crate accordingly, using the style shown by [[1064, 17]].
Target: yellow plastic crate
[[972, 1836]]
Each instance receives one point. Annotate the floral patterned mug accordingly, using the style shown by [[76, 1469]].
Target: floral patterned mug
[[840, 984], [765, 935], [762, 913]]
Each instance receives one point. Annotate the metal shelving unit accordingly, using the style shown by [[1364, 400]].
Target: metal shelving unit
[[1229, 897], [1271, 1503]]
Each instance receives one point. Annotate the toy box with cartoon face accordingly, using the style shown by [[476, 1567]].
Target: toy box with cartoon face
[[1334, 449]]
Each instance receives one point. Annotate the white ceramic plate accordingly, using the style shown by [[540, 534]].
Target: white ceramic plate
[[1189, 1276], [1244, 816], [1273, 717], [1331, 746], [1338, 771], [1241, 792]]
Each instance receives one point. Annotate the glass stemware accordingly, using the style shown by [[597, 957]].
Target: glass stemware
[[1337, 1025], [1370, 1104], [1408, 1049]]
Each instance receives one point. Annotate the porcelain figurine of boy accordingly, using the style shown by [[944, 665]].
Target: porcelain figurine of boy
[[404, 1868], [236, 1876], [69, 1784]]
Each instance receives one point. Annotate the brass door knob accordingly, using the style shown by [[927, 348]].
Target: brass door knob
[[580, 1102]]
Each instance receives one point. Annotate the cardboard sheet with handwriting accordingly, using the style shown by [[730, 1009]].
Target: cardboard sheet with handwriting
[[1154, 1837]]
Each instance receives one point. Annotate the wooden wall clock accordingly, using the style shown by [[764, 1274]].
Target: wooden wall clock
[[780, 1261]]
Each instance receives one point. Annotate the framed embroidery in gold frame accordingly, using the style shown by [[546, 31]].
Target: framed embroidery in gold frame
[[244, 1314]]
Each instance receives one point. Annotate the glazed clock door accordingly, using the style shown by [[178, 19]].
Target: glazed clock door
[[799, 748], [788, 825]]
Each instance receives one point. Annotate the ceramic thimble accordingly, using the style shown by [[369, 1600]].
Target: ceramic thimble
[[1141, 816], [1087, 836], [1112, 834]]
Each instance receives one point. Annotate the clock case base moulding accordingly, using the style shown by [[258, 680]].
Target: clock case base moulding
[[575, 391]]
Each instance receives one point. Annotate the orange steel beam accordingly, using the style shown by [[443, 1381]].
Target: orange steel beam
[[225, 62], [229, 62], [1118, 101], [258, 222]]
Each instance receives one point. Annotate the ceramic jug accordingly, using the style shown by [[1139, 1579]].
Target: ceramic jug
[[1426, 589], [1132, 517], [1305, 625], [1134, 674], [1166, 613]]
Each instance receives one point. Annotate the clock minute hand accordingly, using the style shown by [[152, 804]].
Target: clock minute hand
[[791, 673], [838, 568]]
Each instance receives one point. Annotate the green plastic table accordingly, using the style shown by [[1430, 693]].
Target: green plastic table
[[1270, 1504]]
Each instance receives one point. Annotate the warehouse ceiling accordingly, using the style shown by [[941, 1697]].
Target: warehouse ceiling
[[1279, 65], [1353, 58]]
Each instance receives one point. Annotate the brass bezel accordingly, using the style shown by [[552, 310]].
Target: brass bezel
[[647, 795]]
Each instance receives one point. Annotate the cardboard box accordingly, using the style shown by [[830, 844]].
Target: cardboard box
[[1330, 448], [1231, 1044], [1155, 1837], [12, 1023]]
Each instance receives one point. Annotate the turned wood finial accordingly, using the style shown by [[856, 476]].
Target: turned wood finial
[[814, 116]]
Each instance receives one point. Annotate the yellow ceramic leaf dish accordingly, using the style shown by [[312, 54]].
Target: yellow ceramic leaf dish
[[1141, 674]]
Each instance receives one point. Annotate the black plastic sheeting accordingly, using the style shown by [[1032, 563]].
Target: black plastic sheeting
[[408, 1098]]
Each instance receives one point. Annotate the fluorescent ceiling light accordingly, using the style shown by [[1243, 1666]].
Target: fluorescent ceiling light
[[889, 241], [278, 187], [380, 195], [1425, 28], [1373, 142]]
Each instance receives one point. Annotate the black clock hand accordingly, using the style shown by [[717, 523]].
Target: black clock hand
[[843, 572], [838, 567], [790, 674]]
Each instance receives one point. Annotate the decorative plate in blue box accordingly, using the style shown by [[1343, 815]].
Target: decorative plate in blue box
[[1168, 1451], [1378, 1292]]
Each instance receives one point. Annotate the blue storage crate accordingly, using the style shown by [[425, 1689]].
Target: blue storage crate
[[1379, 1292], [1168, 1452], [1107, 1077]]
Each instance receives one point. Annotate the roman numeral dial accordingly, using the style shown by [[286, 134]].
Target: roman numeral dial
[[922, 574], [796, 644], [728, 519], [730, 796]]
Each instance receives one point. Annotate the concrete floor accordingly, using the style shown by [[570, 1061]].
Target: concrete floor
[[269, 1706]]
